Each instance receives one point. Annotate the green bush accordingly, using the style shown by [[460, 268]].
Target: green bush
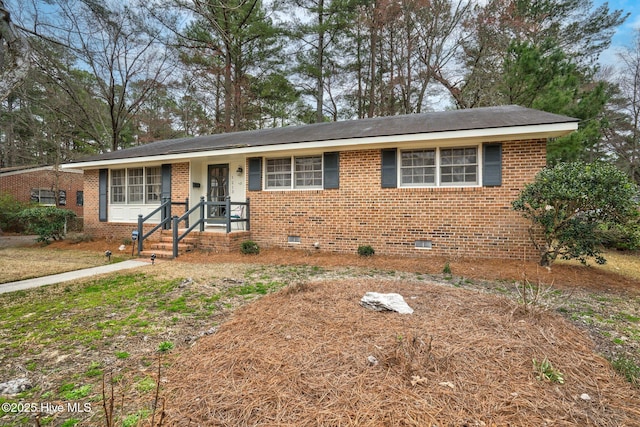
[[568, 203], [447, 268], [47, 222], [9, 210], [366, 250], [621, 236], [249, 247]]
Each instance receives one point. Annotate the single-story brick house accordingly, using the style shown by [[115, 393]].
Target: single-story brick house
[[438, 183], [46, 185]]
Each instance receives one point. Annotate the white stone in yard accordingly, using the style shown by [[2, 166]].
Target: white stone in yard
[[385, 302], [15, 386]]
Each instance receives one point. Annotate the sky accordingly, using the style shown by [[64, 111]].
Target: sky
[[625, 34]]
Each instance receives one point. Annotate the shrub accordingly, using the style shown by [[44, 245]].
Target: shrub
[[365, 250], [9, 210], [47, 222], [621, 236], [566, 205], [447, 268], [249, 247]]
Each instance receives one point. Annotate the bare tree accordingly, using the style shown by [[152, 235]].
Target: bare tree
[[14, 54], [112, 41], [623, 136]]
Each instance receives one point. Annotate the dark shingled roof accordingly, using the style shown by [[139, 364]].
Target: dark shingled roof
[[432, 122]]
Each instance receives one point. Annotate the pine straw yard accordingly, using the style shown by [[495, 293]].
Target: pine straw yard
[[465, 358], [303, 356]]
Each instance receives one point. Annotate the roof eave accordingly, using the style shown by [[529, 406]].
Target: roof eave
[[545, 131]]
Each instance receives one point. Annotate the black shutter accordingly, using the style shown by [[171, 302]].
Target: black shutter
[[165, 185], [255, 174], [103, 196], [332, 170], [389, 172], [165, 194], [492, 160]]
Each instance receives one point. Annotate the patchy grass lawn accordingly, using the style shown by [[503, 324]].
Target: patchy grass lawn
[[66, 337], [625, 263], [309, 339], [27, 263]]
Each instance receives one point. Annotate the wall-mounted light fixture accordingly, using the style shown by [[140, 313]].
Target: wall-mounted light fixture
[[239, 171]]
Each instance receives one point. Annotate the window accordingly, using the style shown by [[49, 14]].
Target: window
[[279, 173], [305, 173], [418, 167], [459, 165], [439, 167], [79, 198], [154, 180], [136, 185], [43, 196], [118, 185], [423, 244], [308, 172]]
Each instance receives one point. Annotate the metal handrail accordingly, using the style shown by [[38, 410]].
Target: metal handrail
[[164, 206], [176, 238]]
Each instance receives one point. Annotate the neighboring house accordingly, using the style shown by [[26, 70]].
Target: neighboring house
[[424, 184], [45, 185]]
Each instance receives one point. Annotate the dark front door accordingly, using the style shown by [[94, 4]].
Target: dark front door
[[218, 189]]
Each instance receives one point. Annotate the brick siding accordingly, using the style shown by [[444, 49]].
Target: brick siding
[[19, 185], [180, 181], [180, 186], [466, 222], [469, 222]]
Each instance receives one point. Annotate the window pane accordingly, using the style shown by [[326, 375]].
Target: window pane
[[459, 165], [135, 185], [278, 174], [308, 171], [418, 167], [117, 186], [47, 197], [153, 185]]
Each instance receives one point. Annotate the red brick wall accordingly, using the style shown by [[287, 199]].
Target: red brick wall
[[180, 182], [20, 184], [470, 222], [91, 223], [180, 186]]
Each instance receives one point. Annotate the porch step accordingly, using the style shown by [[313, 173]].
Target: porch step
[[189, 240], [159, 254], [164, 247], [168, 246]]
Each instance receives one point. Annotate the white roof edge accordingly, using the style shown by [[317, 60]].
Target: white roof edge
[[484, 135], [37, 169]]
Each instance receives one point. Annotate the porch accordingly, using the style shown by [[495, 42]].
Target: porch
[[194, 229]]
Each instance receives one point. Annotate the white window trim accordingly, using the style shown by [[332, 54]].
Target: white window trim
[[437, 183], [292, 186], [145, 186]]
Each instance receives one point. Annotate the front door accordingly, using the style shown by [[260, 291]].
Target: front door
[[217, 189]]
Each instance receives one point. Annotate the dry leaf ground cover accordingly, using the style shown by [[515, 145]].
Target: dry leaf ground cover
[[464, 358], [300, 354]]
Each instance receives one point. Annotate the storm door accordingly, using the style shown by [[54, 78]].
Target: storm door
[[217, 189]]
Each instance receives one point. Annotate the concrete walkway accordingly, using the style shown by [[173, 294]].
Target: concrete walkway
[[71, 275]]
